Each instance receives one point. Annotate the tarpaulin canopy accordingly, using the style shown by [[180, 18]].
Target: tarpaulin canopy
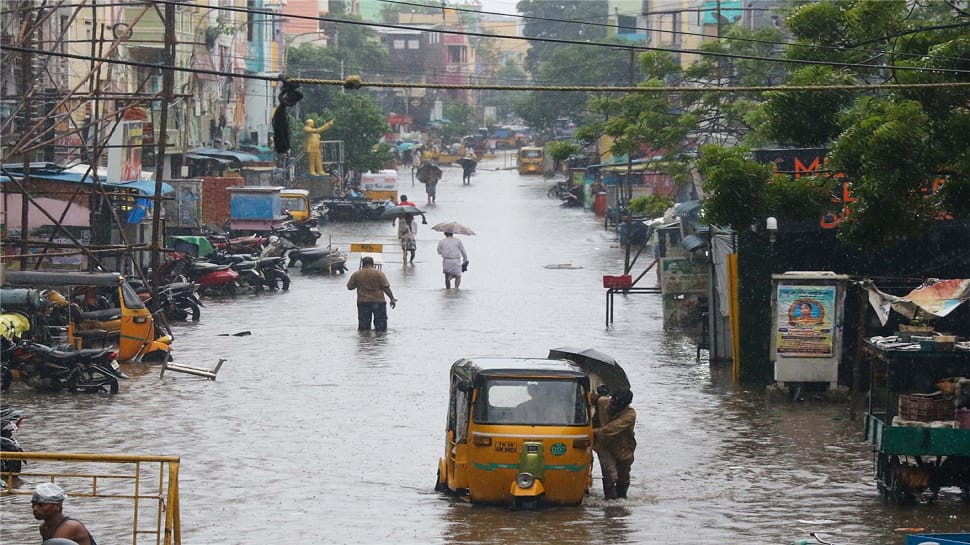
[[934, 299]]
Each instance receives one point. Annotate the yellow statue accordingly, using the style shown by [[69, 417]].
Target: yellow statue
[[313, 154]]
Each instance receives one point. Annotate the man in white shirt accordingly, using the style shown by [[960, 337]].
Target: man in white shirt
[[454, 260]]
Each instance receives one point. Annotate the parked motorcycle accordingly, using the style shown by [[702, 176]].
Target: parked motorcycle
[[300, 232], [93, 370], [237, 245], [212, 278], [277, 246], [328, 260], [178, 301], [10, 420]]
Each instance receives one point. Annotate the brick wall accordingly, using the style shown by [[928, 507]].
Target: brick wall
[[215, 198]]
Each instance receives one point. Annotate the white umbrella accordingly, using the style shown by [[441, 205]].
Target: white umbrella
[[453, 227]]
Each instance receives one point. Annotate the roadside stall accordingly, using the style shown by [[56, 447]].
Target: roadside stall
[[918, 417]]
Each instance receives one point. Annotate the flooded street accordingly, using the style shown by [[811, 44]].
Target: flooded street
[[314, 432]]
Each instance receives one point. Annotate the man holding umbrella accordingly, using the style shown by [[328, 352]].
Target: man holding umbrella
[[454, 259]]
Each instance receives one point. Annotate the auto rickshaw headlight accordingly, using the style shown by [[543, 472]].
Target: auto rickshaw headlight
[[525, 480]]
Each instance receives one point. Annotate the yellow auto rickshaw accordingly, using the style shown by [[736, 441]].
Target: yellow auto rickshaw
[[127, 324], [519, 432], [531, 160]]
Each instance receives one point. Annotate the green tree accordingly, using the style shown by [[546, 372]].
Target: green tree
[[574, 65], [561, 20], [889, 143], [461, 117]]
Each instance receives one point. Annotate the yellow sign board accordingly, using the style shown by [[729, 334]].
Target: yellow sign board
[[367, 248]]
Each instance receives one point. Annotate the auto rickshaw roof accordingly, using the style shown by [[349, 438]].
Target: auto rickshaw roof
[[60, 278], [507, 366]]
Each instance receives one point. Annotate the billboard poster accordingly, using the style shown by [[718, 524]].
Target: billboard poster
[[805, 321], [684, 287], [131, 157]]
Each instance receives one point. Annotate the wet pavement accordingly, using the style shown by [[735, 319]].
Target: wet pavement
[[317, 433]]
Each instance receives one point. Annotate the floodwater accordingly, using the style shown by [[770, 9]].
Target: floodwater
[[316, 433]]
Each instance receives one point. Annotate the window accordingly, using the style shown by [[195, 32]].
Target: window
[[398, 44], [414, 44], [532, 402]]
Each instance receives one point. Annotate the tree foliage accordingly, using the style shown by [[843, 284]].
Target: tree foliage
[[560, 20], [573, 65], [891, 144]]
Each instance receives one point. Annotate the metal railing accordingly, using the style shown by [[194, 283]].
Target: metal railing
[[149, 484]]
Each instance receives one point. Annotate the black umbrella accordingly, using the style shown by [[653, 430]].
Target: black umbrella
[[599, 364], [398, 211], [467, 162]]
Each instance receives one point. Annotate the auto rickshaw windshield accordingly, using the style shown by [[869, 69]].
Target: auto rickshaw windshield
[[132, 300], [532, 402]]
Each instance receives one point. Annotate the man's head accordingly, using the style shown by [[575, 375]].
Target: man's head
[[621, 399], [367, 262], [48, 500], [449, 233], [403, 197]]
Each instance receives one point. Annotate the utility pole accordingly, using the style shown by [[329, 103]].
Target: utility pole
[[168, 82]]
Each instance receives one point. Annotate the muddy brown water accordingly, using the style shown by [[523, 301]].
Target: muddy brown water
[[315, 433]]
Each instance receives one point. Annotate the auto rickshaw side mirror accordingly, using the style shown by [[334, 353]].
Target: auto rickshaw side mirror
[[465, 386]]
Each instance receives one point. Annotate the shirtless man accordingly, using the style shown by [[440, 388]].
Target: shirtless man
[[47, 505]]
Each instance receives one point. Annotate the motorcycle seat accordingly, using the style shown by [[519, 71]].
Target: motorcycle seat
[[206, 267], [270, 261], [71, 355], [244, 265]]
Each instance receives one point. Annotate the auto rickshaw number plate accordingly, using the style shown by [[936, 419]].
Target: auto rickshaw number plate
[[505, 446]]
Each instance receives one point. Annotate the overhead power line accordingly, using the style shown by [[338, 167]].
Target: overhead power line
[[700, 34], [634, 47], [354, 82]]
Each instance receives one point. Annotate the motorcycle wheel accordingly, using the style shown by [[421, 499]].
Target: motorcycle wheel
[[193, 310], [93, 381]]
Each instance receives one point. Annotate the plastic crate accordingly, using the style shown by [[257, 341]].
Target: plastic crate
[[925, 408], [623, 281]]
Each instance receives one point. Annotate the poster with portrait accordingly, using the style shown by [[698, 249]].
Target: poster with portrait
[[805, 321]]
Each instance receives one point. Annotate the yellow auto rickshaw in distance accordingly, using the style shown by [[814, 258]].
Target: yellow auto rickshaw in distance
[[519, 432], [132, 327]]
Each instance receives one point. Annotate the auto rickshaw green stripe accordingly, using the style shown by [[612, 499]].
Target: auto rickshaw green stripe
[[572, 468]]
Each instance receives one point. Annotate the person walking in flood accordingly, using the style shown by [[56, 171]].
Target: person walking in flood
[[429, 174], [47, 505], [616, 444], [454, 259], [371, 285], [407, 232]]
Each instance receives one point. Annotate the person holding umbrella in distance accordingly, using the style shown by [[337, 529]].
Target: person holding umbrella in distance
[[454, 259]]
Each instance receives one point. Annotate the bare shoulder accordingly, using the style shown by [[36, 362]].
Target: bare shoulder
[[75, 530]]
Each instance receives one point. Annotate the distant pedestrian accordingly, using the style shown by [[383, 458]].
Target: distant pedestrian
[[454, 260], [429, 174], [371, 286], [47, 505], [407, 233]]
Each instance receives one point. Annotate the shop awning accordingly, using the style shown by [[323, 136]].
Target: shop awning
[[198, 157]]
